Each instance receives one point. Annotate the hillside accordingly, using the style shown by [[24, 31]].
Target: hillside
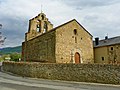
[[8, 50]]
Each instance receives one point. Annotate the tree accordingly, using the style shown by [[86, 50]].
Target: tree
[[2, 39], [15, 57]]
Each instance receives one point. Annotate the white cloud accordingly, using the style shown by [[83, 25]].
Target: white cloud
[[103, 20]]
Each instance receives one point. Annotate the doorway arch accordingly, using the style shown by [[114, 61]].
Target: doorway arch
[[77, 58]]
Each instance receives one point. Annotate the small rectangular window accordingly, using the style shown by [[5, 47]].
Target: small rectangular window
[[111, 48], [102, 58]]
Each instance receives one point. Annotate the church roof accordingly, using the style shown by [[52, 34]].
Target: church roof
[[63, 25], [108, 42], [69, 22]]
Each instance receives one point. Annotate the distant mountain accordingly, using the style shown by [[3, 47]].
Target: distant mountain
[[9, 50]]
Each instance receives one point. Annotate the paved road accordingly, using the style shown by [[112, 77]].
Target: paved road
[[9, 82]]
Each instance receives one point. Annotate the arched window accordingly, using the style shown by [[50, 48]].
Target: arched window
[[75, 31], [45, 27], [42, 17], [38, 28]]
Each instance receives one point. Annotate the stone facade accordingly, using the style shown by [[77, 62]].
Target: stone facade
[[72, 38], [114, 53], [67, 43], [41, 48]]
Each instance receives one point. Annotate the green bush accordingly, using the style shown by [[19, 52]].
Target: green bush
[[15, 57]]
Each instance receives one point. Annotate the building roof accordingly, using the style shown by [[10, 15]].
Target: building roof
[[108, 42], [63, 25], [69, 22]]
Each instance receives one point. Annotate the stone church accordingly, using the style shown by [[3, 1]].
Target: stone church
[[67, 43]]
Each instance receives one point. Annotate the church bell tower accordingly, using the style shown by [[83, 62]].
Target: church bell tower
[[37, 26]]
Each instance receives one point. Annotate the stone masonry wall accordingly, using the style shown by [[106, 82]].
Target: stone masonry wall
[[114, 54], [68, 43], [40, 49], [97, 73]]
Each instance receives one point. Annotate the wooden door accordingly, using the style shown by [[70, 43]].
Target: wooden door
[[77, 57]]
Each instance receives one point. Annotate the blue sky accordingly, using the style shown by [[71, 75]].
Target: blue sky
[[99, 17]]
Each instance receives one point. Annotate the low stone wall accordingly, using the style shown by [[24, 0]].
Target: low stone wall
[[97, 73]]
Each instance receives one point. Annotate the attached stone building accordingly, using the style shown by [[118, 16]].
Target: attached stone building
[[107, 50], [67, 43]]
